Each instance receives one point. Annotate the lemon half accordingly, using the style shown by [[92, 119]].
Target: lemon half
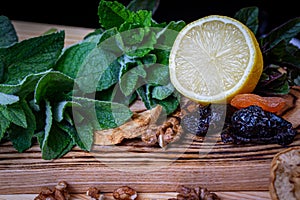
[[214, 58]]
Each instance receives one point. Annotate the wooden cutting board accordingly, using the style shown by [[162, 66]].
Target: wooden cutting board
[[219, 167]]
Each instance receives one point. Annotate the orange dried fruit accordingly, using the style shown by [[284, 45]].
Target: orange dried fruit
[[271, 104]]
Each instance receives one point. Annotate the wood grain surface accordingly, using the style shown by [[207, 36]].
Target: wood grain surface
[[232, 171]]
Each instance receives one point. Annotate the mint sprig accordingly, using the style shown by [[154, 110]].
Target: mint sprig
[[58, 96]]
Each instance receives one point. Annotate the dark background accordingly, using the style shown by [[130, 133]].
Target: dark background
[[84, 13]]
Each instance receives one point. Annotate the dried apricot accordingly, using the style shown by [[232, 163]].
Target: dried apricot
[[271, 104]]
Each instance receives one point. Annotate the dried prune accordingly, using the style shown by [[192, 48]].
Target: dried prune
[[255, 125], [204, 118]]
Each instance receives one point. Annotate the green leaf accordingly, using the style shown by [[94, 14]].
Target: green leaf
[[162, 56], [72, 59], [7, 99], [32, 56], [284, 33], [158, 75], [8, 35], [82, 136], [129, 80], [166, 35], [25, 87], [249, 17], [93, 68], [135, 48], [110, 76], [22, 137], [272, 82], [4, 122], [111, 40], [285, 53], [112, 14], [53, 85], [106, 114], [60, 107], [139, 19], [17, 115], [162, 92], [54, 141], [170, 104]]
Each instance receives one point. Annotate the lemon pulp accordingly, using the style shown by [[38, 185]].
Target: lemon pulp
[[215, 58]]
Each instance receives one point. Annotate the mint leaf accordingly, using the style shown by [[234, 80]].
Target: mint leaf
[[170, 104], [110, 76], [82, 136], [17, 115], [25, 87], [6, 99], [47, 87], [71, 60], [162, 92], [93, 68], [285, 53], [112, 14], [32, 56], [8, 35], [284, 33], [107, 114], [129, 80], [54, 142], [4, 123], [158, 75], [138, 19], [60, 107], [22, 137], [249, 17]]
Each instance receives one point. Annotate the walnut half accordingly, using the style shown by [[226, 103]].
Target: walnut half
[[60, 192], [125, 193], [164, 134], [198, 193]]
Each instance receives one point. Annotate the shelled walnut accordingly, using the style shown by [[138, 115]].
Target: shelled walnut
[[124, 193], [198, 193], [164, 134], [60, 192], [94, 193]]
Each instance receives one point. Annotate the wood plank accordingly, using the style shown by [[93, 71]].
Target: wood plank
[[224, 168], [241, 169], [252, 195], [27, 30]]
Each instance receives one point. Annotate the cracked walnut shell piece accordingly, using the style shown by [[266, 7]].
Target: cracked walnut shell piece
[[285, 175]]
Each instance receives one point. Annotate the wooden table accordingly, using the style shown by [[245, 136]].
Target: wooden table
[[233, 172]]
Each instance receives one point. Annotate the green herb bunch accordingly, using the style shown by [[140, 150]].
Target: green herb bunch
[[58, 96]]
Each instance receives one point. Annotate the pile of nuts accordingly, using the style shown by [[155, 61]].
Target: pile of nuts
[[60, 192], [123, 193]]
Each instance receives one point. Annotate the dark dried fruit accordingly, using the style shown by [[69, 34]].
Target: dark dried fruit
[[254, 125], [206, 118]]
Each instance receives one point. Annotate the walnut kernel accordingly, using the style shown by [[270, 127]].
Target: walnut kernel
[[125, 193]]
